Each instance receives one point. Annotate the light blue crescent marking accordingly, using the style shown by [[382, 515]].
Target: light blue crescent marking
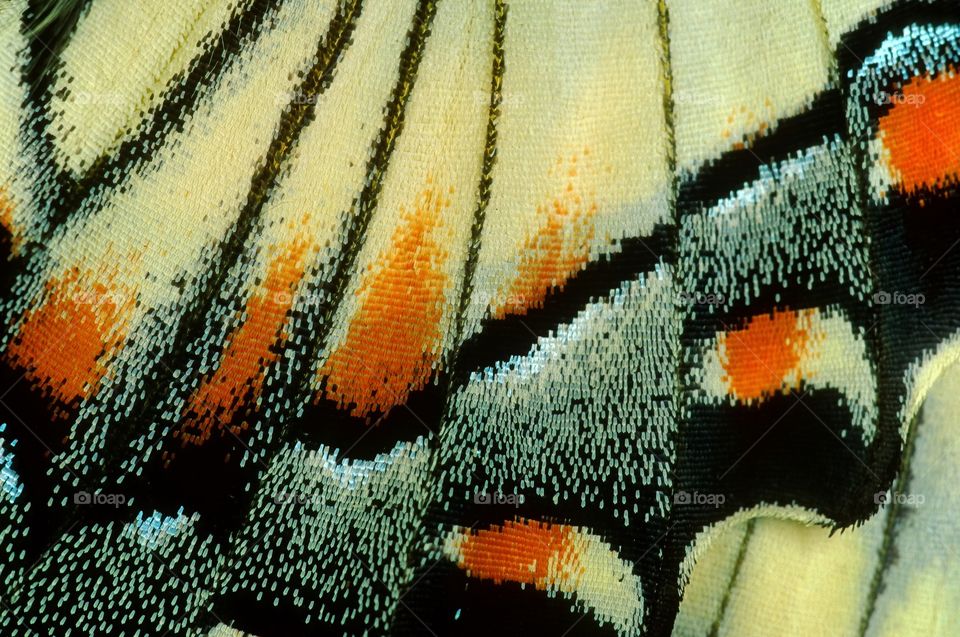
[[10, 483], [158, 527]]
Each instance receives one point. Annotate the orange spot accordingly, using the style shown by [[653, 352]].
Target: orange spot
[[6, 219], [6, 210], [521, 551], [65, 343], [391, 344], [559, 249], [754, 125], [921, 132], [762, 353], [251, 348]]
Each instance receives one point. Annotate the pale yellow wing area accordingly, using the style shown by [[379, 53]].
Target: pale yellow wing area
[[740, 67], [398, 315], [120, 61], [582, 151]]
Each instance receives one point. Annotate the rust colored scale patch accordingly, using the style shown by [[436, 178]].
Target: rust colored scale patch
[[558, 250], [65, 343], [7, 222], [758, 357], [524, 551], [392, 342], [6, 210], [921, 133], [755, 125], [239, 376]]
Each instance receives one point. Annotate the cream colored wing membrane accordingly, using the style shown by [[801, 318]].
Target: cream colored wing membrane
[[919, 594], [116, 264], [15, 200], [774, 355], [781, 586], [329, 165], [557, 559], [738, 68], [119, 62], [922, 374], [581, 147], [397, 317], [800, 580], [705, 592], [303, 222], [840, 16]]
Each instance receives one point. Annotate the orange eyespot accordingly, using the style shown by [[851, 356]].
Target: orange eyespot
[[519, 551], [921, 132], [761, 354]]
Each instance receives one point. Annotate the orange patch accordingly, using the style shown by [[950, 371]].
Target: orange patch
[[6, 210], [921, 132], [390, 348], [65, 343], [556, 252], [520, 551], [762, 353], [6, 219], [753, 124], [250, 349]]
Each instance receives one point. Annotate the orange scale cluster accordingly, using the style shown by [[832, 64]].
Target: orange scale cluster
[[239, 375], [921, 132], [757, 357], [65, 343], [6, 215], [558, 250], [521, 551], [392, 343]]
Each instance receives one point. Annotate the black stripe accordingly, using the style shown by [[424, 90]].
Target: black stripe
[[314, 329], [295, 118], [486, 173], [298, 114], [228, 498], [499, 339], [885, 453], [367, 436], [50, 187], [366, 204], [861, 42], [111, 170], [732, 582], [662, 603], [822, 121]]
